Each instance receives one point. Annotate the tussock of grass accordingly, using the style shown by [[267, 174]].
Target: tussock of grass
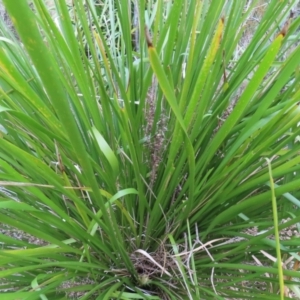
[[134, 166]]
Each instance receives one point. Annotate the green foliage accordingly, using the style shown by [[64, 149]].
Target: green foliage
[[143, 156]]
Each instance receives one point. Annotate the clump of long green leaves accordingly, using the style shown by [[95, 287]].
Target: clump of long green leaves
[[141, 152]]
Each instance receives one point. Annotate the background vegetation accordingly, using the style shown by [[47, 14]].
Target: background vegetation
[[150, 150]]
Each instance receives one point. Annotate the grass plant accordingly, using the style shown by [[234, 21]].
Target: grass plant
[[143, 155]]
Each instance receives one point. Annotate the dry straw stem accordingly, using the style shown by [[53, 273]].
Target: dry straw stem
[[143, 252], [203, 246], [11, 183]]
